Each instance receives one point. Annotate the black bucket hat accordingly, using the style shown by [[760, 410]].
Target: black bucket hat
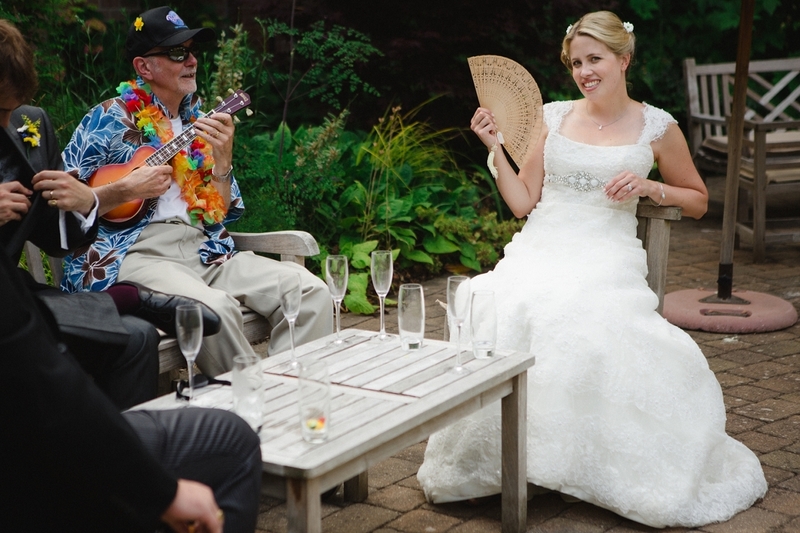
[[161, 27]]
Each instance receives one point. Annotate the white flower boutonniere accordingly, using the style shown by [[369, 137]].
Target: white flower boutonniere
[[30, 131]]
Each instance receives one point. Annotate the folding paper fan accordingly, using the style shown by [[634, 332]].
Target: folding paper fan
[[505, 87]]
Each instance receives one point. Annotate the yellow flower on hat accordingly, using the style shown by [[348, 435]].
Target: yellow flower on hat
[[138, 24]]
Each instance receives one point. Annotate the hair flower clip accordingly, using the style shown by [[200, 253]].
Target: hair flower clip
[[30, 131], [569, 28], [628, 27]]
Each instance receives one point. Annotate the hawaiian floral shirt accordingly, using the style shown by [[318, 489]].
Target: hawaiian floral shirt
[[108, 135]]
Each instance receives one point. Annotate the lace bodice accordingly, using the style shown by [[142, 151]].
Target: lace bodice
[[573, 169]]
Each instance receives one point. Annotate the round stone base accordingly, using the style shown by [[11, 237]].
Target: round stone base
[[764, 312]]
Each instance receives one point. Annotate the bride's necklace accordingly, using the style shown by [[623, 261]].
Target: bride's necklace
[[601, 126]]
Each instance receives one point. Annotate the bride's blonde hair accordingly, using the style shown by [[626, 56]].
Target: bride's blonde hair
[[604, 26]]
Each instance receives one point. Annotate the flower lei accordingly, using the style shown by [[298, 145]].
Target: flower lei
[[191, 168], [30, 131]]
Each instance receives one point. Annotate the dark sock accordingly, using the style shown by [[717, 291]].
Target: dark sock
[[126, 298]]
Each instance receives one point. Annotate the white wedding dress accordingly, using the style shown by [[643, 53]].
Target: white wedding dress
[[623, 411]]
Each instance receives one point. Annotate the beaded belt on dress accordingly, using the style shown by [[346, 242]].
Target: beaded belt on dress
[[580, 181]]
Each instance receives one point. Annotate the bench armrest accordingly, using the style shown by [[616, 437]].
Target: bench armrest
[[653, 230], [701, 118], [292, 245], [771, 126]]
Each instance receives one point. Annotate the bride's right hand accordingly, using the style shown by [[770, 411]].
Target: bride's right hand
[[484, 126]]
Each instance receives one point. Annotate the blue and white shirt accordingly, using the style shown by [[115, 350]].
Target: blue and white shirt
[[108, 135]]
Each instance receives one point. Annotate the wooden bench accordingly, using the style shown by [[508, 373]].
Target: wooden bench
[[770, 165], [290, 245], [653, 230]]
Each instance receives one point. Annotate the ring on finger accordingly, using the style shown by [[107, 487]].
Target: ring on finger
[[51, 194], [630, 187]]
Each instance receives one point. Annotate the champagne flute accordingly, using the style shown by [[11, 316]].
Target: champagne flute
[[457, 310], [290, 295], [381, 270], [189, 327], [336, 273]]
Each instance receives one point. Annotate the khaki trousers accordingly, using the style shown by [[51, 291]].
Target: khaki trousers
[[165, 258]]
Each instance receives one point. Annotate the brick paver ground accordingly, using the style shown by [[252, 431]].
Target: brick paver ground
[[760, 378]]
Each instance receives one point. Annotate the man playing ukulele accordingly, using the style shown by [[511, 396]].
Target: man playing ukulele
[[177, 242]]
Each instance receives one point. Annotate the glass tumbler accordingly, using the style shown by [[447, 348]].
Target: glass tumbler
[[248, 389], [411, 316], [483, 324], [314, 400]]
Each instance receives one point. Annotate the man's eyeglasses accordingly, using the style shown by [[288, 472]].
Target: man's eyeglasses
[[179, 54]]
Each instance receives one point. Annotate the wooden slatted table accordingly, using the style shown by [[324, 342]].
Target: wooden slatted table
[[383, 400]]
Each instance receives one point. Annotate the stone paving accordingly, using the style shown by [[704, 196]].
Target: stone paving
[[760, 378]]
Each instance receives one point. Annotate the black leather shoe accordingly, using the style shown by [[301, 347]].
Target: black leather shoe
[[158, 308]]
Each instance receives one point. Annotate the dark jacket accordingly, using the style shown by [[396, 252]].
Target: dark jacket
[[70, 461], [42, 228], [92, 316]]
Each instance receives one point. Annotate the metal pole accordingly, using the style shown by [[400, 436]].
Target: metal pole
[[735, 133]]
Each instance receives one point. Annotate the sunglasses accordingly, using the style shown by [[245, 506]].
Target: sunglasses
[[200, 381], [179, 54]]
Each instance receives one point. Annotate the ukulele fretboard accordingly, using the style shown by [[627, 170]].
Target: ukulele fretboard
[[168, 151]]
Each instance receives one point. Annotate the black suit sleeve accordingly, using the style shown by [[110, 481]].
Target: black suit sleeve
[[45, 233], [71, 459]]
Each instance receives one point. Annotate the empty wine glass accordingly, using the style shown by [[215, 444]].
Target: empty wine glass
[[290, 295], [382, 269], [458, 296], [336, 274], [189, 326]]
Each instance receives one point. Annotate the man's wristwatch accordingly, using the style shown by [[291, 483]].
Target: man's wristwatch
[[221, 179]]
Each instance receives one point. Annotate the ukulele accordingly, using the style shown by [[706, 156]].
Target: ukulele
[[147, 155]]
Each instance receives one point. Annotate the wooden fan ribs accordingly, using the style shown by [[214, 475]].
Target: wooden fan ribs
[[509, 90]]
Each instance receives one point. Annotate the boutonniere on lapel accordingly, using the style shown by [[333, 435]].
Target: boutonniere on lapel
[[30, 132]]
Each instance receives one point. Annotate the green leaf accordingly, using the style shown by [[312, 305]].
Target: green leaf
[[439, 245], [359, 260], [472, 263], [403, 236], [418, 256], [358, 304], [468, 250], [356, 299], [365, 247], [357, 283]]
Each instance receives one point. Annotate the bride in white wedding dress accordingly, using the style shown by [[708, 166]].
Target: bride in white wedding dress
[[623, 411]]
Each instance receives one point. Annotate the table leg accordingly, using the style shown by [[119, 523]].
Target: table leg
[[514, 497], [356, 489], [303, 507]]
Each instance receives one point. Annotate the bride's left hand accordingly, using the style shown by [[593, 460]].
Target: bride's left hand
[[624, 186]]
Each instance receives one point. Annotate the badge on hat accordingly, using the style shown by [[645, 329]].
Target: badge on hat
[[176, 20]]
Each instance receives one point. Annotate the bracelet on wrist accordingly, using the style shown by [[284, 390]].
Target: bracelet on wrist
[[221, 179], [661, 200]]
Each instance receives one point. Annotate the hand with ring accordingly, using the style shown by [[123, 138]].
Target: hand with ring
[[621, 187], [73, 194]]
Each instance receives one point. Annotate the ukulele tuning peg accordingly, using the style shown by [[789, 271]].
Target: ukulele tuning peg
[[219, 99]]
